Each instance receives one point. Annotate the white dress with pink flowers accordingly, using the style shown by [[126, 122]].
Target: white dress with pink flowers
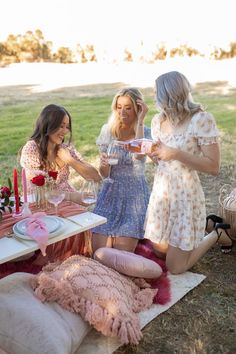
[[176, 213]]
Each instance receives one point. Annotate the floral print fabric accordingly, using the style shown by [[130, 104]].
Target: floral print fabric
[[176, 213], [30, 160], [123, 202]]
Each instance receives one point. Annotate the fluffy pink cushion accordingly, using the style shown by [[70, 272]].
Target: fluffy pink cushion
[[128, 263], [106, 299]]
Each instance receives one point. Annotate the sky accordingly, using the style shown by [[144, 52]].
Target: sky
[[116, 24]]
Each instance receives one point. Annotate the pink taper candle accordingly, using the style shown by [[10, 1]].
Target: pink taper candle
[[15, 185], [24, 185]]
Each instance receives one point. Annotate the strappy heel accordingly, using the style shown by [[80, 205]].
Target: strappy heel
[[214, 218], [225, 227]]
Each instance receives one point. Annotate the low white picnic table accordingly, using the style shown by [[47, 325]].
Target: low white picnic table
[[11, 248]]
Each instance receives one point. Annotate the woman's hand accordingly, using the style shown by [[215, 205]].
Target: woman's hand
[[162, 152], [104, 165], [103, 159], [85, 169], [142, 110], [64, 155]]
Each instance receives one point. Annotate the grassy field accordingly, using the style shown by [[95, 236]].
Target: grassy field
[[19, 113], [204, 320]]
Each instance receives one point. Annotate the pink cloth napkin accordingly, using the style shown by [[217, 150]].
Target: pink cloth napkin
[[37, 230]]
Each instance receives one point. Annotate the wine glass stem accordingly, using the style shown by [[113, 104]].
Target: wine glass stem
[[56, 209]]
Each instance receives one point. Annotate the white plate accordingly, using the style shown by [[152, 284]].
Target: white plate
[[60, 224], [52, 223]]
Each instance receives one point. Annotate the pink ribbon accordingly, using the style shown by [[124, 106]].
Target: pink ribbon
[[37, 230]]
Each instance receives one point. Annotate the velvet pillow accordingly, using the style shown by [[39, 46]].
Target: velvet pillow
[[128, 263], [29, 327], [106, 299]]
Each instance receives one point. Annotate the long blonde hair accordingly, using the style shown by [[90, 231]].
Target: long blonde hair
[[173, 94], [114, 121]]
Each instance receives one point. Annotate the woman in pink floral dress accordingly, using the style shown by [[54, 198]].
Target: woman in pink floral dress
[[187, 139], [46, 151]]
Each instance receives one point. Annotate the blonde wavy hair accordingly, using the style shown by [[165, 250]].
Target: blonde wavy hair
[[173, 94], [114, 121]]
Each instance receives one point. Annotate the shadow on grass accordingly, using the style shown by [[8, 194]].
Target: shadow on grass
[[20, 93]]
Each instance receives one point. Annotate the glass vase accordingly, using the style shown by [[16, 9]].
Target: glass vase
[[40, 197]]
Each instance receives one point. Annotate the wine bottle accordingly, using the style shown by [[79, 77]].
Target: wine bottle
[[141, 146]]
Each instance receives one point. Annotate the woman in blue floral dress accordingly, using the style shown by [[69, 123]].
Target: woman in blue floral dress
[[124, 200]]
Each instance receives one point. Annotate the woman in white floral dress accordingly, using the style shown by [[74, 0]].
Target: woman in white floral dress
[[187, 139]]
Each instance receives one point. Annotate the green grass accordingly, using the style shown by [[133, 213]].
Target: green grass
[[89, 113]]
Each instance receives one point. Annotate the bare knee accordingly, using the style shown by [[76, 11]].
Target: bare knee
[[124, 243], [177, 261], [175, 268], [99, 240]]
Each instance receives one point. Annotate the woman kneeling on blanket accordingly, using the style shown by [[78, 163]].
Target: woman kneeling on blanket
[[188, 142]]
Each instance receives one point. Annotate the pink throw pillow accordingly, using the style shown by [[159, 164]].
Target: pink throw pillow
[[106, 299], [128, 263]]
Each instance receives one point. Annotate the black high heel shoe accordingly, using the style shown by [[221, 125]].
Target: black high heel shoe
[[225, 227], [215, 219]]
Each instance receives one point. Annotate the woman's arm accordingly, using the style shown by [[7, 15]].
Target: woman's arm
[[209, 162], [142, 110], [30, 160], [85, 169]]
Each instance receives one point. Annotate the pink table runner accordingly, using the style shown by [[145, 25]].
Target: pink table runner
[[65, 209], [77, 244]]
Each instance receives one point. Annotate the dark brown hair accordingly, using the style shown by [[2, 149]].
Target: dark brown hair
[[48, 122]]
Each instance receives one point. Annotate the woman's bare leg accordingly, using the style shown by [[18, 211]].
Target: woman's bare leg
[[100, 240], [179, 261], [125, 243], [160, 250]]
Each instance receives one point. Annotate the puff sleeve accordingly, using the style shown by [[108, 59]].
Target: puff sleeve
[[155, 127], [204, 128], [30, 156]]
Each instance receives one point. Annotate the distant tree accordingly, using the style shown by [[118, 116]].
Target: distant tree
[[64, 55], [80, 54], [128, 55], [90, 53], [183, 50], [32, 47], [160, 53]]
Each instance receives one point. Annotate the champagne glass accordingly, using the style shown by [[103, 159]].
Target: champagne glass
[[89, 192], [55, 196], [112, 159]]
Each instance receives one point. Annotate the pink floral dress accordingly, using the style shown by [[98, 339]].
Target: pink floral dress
[[176, 212], [30, 160]]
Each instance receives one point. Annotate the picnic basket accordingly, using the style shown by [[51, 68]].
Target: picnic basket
[[226, 212]]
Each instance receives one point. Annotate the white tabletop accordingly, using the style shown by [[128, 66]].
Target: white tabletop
[[11, 248]]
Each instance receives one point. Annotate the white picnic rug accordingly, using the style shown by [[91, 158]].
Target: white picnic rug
[[96, 343]]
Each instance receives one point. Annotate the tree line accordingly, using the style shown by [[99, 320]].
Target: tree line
[[32, 47]]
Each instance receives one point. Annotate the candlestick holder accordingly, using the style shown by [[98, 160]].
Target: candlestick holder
[[17, 215], [25, 210]]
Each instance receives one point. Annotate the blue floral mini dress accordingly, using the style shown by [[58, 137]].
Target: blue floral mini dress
[[123, 202]]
